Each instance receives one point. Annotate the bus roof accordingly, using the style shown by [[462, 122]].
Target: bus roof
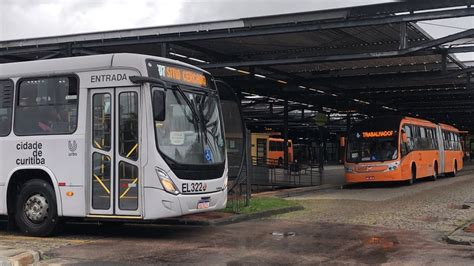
[[393, 122], [448, 127], [419, 121], [83, 63]]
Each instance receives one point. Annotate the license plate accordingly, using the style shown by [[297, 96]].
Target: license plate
[[203, 205]]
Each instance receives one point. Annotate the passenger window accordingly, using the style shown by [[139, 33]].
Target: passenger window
[[6, 103], [128, 125], [102, 124], [453, 141], [411, 144], [46, 106]]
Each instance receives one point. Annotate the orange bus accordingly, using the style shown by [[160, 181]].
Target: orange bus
[[398, 148], [276, 152]]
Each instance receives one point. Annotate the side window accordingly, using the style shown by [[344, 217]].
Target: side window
[[417, 137], [435, 139], [431, 139], [446, 140], [411, 143], [423, 139], [457, 142], [6, 104], [453, 141], [46, 106]]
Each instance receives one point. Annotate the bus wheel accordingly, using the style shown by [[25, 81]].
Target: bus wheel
[[435, 172], [412, 180], [455, 170], [280, 162], [36, 211]]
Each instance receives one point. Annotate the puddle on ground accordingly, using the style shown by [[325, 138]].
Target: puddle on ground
[[386, 243], [459, 206], [282, 235], [430, 219], [469, 229]]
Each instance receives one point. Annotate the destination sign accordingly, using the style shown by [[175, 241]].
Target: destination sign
[[377, 134], [176, 74]]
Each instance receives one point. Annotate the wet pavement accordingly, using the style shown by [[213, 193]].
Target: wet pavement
[[373, 224], [436, 206], [257, 242]]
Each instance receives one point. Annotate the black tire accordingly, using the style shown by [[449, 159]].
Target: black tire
[[412, 180], [435, 173], [280, 162], [36, 209], [455, 170]]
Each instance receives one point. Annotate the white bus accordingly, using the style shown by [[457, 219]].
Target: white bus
[[116, 136]]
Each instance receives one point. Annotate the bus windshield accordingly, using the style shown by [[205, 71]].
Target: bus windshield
[[364, 147], [192, 131]]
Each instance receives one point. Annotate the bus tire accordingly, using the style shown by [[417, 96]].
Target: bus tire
[[36, 209], [435, 172], [280, 162], [455, 170], [412, 180]]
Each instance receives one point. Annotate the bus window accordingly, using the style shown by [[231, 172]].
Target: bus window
[[451, 140], [411, 142], [276, 146], [433, 141], [128, 124], [101, 123], [46, 106], [458, 142], [6, 103]]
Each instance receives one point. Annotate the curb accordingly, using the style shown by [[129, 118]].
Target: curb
[[236, 218], [28, 257], [291, 192]]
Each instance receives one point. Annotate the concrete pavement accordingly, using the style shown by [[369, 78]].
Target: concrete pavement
[[370, 224], [15, 256]]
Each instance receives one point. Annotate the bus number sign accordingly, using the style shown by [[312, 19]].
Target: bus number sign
[[177, 74], [377, 134]]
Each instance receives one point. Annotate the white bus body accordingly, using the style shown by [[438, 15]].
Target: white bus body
[[90, 180]]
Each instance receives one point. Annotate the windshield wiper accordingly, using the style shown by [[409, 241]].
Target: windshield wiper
[[188, 102]]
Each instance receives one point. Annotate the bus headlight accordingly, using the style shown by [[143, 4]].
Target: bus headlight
[[392, 167], [348, 169], [166, 182]]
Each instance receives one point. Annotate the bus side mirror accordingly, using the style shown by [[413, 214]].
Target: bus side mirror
[[234, 128], [404, 137], [158, 101]]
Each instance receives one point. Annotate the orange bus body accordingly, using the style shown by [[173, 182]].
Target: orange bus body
[[275, 153], [434, 149]]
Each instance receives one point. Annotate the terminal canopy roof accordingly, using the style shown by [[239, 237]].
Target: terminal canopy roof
[[363, 61]]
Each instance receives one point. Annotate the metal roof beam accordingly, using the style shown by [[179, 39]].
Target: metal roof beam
[[10, 47], [347, 57]]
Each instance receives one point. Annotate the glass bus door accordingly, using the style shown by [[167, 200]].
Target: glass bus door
[[115, 176]]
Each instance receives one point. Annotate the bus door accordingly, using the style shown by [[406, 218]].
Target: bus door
[[261, 151], [115, 163], [439, 136]]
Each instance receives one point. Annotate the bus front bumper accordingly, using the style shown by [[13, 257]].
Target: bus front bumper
[[160, 204], [385, 176]]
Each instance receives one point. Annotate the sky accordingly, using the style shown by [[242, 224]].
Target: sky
[[21, 19]]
